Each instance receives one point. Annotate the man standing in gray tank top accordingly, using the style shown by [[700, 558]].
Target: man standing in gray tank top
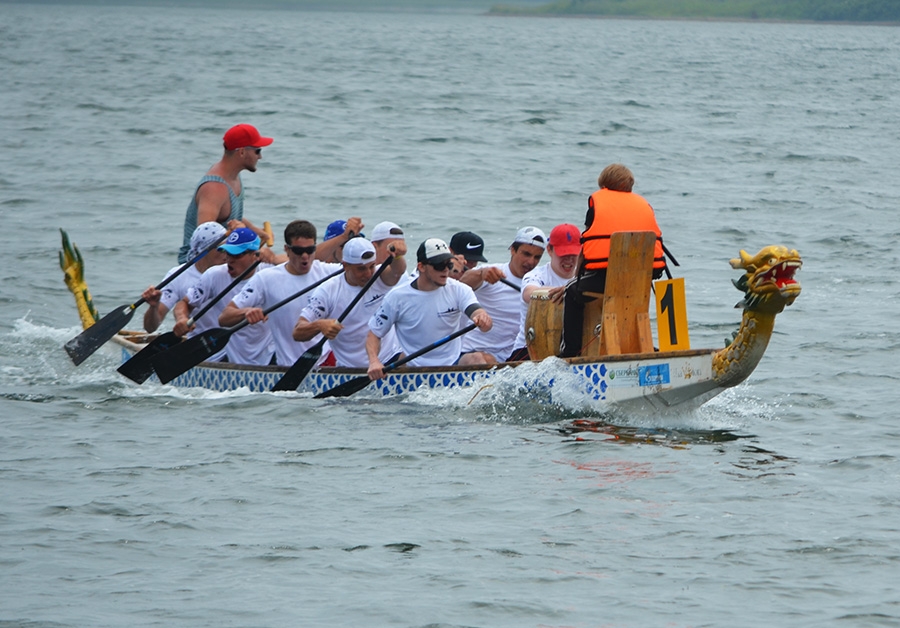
[[219, 196]]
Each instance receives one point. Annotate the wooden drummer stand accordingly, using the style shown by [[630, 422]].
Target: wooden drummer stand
[[622, 310]]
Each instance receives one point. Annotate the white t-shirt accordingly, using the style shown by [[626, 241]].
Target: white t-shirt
[[542, 277], [331, 299], [250, 345], [422, 318], [177, 289], [502, 303], [271, 286]]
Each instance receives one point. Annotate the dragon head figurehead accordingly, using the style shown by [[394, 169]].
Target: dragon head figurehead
[[768, 283]]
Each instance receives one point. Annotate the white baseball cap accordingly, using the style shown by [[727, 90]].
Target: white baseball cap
[[358, 251], [532, 236], [387, 230]]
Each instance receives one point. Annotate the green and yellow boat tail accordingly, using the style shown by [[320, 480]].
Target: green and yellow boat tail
[[72, 264]]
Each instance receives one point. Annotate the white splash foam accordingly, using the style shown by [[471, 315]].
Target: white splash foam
[[533, 392]]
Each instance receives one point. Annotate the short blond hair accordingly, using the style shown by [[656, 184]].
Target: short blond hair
[[616, 177]]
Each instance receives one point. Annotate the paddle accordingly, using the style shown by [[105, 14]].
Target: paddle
[[188, 354], [510, 284], [82, 346], [301, 368], [139, 367], [358, 383]]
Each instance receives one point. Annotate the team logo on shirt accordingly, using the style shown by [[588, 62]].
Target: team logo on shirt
[[380, 319]]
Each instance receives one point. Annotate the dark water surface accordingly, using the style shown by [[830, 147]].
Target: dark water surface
[[775, 504]]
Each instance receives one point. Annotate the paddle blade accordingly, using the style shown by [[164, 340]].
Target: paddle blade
[[139, 367], [184, 356], [82, 346], [347, 388], [299, 369]]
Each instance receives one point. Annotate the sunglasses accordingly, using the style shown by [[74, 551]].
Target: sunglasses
[[442, 266], [300, 250], [258, 151]]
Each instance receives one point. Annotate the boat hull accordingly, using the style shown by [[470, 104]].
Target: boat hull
[[650, 382]]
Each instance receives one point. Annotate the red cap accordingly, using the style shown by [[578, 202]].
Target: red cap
[[244, 135], [565, 239]]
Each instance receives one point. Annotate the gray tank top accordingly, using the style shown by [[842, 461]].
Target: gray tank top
[[190, 219]]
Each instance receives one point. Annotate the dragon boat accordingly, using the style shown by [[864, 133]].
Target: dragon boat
[[620, 367]]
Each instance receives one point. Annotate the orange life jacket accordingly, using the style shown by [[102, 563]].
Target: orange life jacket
[[617, 211]]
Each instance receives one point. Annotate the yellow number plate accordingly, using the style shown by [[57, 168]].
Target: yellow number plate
[[671, 315]]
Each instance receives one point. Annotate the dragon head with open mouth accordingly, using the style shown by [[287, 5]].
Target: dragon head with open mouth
[[768, 285]]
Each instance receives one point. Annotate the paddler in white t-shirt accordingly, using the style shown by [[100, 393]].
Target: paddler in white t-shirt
[[278, 283], [329, 301], [249, 345], [500, 299], [425, 311], [161, 301]]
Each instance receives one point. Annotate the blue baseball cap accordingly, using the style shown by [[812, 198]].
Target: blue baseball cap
[[240, 241], [337, 228]]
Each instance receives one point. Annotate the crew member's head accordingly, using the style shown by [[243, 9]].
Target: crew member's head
[[300, 246], [470, 246], [564, 246], [241, 250], [204, 236], [358, 258], [526, 250], [434, 259], [617, 178], [244, 142], [383, 236]]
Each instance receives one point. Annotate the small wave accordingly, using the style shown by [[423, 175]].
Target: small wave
[[98, 107], [153, 388], [33, 398], [18, 202], [615, 127]]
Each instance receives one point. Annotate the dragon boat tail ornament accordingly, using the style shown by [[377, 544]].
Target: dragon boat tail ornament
[[769, 286], [72, 264]]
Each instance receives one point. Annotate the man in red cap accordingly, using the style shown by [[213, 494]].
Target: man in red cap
[[563, 246], [219, 197]]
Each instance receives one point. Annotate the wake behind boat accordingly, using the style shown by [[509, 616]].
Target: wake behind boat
[[619, 368]]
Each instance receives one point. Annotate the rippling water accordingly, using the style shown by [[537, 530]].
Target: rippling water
[[776, 503]]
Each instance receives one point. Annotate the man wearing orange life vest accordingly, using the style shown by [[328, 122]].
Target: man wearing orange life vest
[[614, 207]]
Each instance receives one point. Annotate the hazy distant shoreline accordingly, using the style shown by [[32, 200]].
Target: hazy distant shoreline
[[785, 11], [747, 20], [596, 9]]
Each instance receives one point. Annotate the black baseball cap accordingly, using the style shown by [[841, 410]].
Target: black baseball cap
[[469, 245]]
